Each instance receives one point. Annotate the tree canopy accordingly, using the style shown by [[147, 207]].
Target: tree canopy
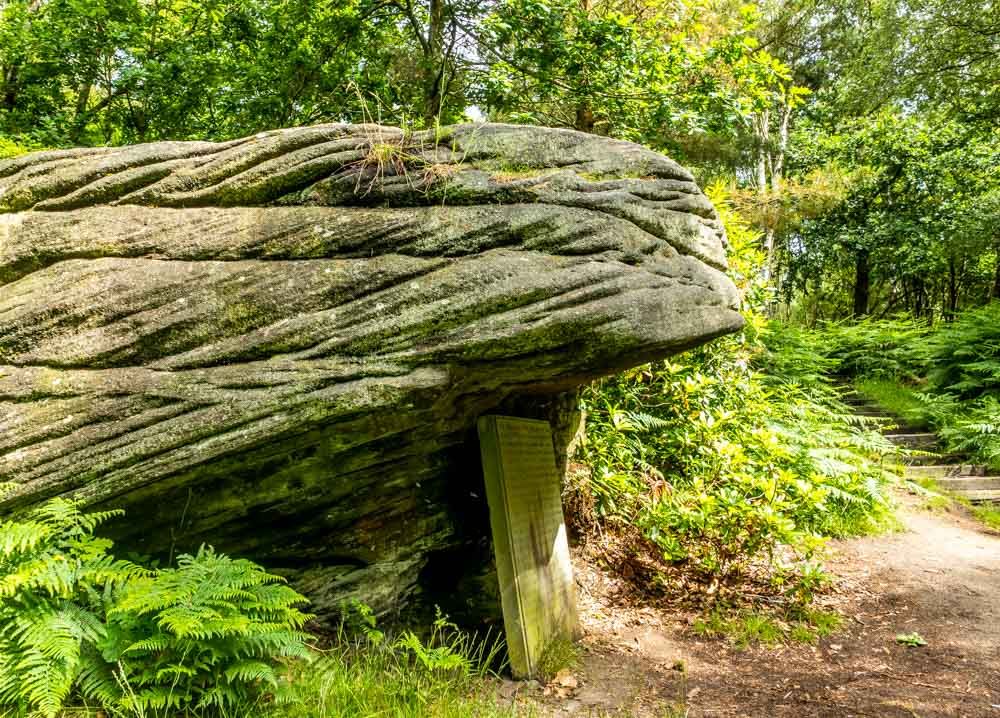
[[859, 138]]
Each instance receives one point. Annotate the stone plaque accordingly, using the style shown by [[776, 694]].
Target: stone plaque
[[529, 536]]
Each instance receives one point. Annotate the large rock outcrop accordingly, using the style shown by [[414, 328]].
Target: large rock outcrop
[[280, 344]]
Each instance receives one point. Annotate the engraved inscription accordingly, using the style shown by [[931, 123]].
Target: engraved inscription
[[533, 562]]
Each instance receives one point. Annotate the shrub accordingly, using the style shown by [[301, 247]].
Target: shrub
[[9, 148], [875, 348], [720, 464], [972, 428], [963, 357]]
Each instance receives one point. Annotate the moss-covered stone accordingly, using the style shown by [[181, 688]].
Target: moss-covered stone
[[280, 345]]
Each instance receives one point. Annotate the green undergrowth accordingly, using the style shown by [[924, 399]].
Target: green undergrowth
[[355, 678], [989, 515], [79, 626], [945, 376], [10, 149], [372, 677], [84, 633], [745, 628], [731, 458], [875, 348]]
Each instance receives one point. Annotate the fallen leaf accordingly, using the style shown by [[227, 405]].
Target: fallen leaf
[[562, 685], [566, 679]]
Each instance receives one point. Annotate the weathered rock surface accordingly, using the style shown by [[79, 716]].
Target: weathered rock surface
[[279, 345]]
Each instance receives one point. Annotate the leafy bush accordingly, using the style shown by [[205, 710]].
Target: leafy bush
[[720, 464], [75, 621], [963, 357], [972, 429], [9, 148]]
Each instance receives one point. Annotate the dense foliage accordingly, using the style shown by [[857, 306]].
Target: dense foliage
[[725, 455], [946, 376], [209, 636], [737, 458], [77, 623], [204, 634], [54, 575]]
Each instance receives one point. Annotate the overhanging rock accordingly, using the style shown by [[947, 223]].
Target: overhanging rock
[[280, 345]]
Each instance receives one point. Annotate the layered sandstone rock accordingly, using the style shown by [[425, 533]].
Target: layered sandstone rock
[[279, 345]]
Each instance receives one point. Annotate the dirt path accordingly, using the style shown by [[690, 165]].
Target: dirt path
[[940, 577]]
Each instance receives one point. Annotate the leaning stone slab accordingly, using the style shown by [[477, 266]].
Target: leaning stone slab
[[529, 538], [281, 344]]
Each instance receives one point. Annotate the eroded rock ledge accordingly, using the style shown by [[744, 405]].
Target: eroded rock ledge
[[280, 344]]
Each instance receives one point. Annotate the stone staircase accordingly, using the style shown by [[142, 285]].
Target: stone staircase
[[924, 459]]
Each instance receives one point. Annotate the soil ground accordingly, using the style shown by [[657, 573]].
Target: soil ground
[[939, 577]]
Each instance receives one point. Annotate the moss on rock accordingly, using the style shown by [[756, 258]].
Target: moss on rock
[[280, 345]]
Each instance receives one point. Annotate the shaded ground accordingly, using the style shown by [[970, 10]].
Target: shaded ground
[[940, 577]]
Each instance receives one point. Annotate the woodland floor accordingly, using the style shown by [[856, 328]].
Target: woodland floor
[[940, 577]]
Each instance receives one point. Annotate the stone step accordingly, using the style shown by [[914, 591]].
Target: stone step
[[939, 471], [859, 404], [987, 496], [897, 429], [963, 484], [932, 459], [856, 400], [873, 411], [915, 440]]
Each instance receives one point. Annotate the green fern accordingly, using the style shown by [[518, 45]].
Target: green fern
[[52, 572], [964, 356], [205, 634]]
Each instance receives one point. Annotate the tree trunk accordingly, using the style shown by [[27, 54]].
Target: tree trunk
[[763, 138], [80, 114], [769, 252], [434, 100], [862, 283], [952, 290], [761, 123], [585, 120], [995, 293], [10, 78], [778, 162], [919, 293]]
